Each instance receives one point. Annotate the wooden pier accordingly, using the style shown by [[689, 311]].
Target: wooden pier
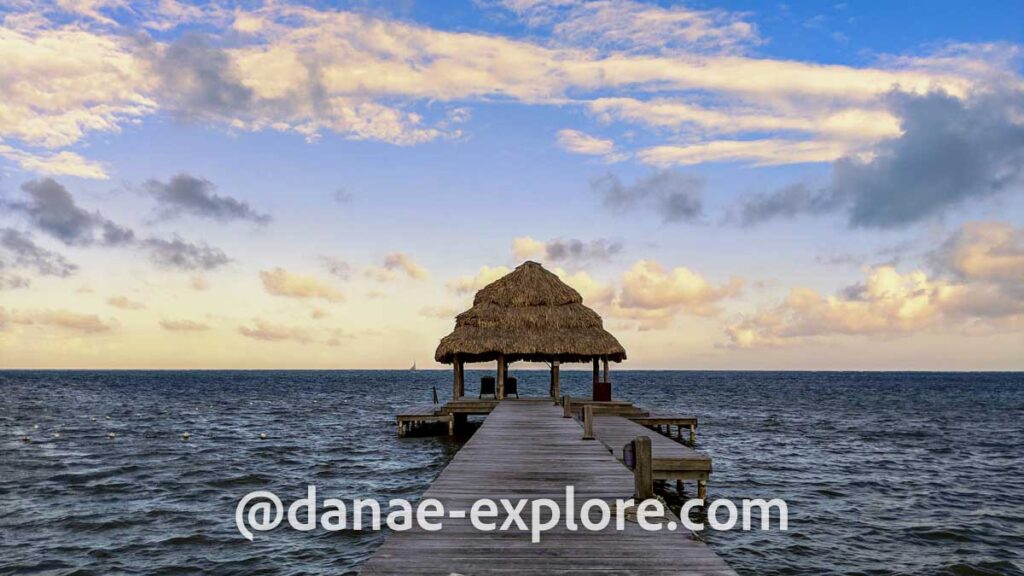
[[525, 449], [412, 417], [670, 459], [663, 423]]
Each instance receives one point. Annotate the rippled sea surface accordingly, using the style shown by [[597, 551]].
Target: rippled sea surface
[[884, 473]]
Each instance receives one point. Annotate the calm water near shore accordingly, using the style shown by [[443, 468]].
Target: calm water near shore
[[905, 473]]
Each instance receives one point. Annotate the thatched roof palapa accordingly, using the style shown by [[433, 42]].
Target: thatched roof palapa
[[528, 314]]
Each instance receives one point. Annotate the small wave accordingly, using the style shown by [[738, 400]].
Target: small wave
[[241, 480], [982, 569]]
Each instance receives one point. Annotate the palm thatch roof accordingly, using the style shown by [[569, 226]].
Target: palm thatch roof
[[528, 314]]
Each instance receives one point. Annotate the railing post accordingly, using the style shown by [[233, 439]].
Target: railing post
[[566, 406], [643, 477], [588, 422]]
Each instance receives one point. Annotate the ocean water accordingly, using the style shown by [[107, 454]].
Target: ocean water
[[884, 473]]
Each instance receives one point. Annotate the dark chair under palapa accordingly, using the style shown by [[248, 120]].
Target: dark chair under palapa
[[487, 386], [511, 386]]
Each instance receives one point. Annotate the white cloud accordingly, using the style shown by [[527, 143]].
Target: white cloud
[[59, 318], [62, 163], [58, 84], [888, 303], [271, 332], [525, 247], [988, 251], [281, 282], [470, 284], [763, 152], [125, 303], [594, 292], [581, 143], [305, 70], [631, 25], [404, 263], [648, 286], [851, 123], [395, 264], [978, 280], [184, 326], [92, 9]]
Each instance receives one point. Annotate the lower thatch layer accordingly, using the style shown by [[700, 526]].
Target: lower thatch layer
[[474, 344]]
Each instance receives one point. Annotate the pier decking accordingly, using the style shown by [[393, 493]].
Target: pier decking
[[663, 423], [670, 459], [421, 414], [526, 449]]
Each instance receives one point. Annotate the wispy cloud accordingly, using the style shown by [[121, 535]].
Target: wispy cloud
[[394, 264], [675, 196], [336, 267], [582, 143], [638, 26], [184, 325], [270, 332], [182, 255], [55, 318], [62, 163], [125, 303], [281, 282]]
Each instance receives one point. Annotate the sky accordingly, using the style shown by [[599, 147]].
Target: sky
[[285, 184]]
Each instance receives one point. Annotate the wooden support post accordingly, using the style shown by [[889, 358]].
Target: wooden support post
[[702, 489], [693, 435], [455, 378], [679, 487], [401, 428], [643, 474], [451, 425], [595, 370], [462, 377], [556, 385], [566, 406], [551, 383], [604, 361], [502, 368], [588, 422]]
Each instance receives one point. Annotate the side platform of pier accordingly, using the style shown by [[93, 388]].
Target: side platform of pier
[[525, 449]]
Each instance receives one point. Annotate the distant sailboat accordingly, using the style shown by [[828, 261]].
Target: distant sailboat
[[413, 368]]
